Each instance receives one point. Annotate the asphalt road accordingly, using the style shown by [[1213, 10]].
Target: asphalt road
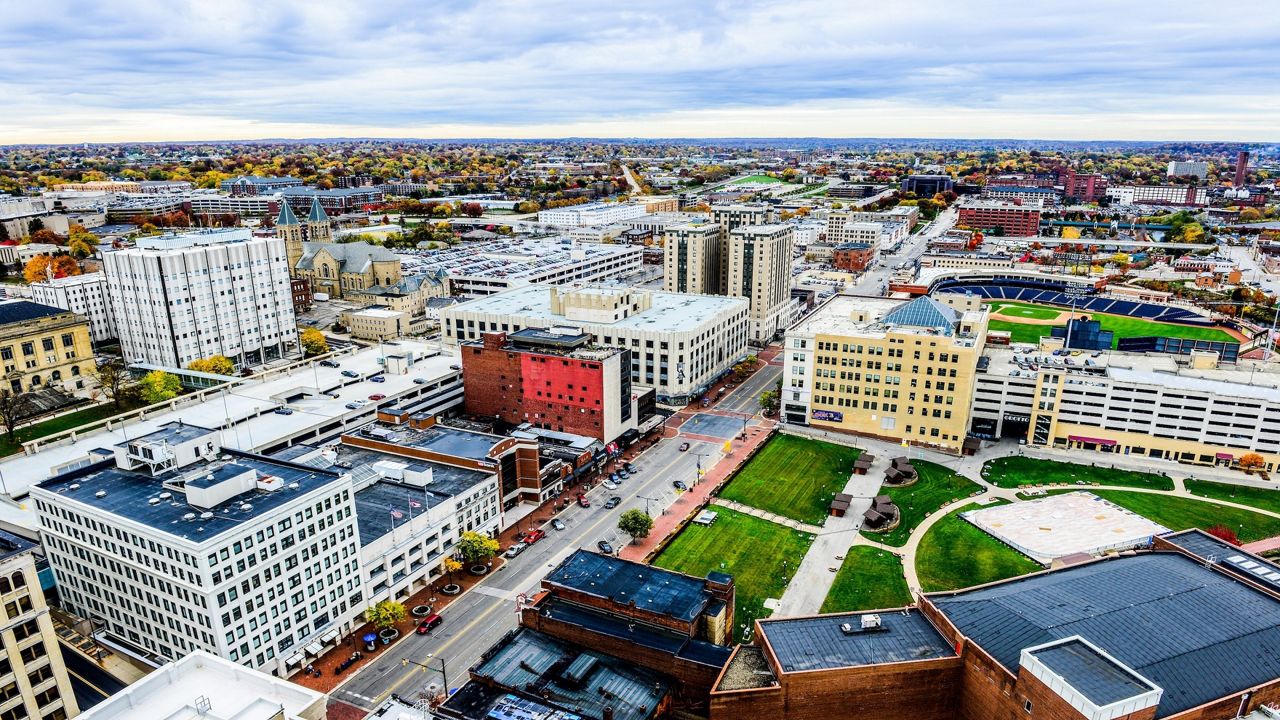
[[875, 281], [746, 397], [90, 683], [484, 614]]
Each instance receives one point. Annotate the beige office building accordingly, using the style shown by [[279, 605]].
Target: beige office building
[[893, 369], [691, 258], [33, 678], [759, 269]]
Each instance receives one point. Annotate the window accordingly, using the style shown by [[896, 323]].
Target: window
[[1026, 705]]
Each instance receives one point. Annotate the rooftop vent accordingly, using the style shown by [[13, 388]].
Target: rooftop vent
[[153, 501], [846, 628], [206, 516], [166, 496], [870, 621], [189, 516], [245, 507], [73, 486], [100, 494], [294, 486]]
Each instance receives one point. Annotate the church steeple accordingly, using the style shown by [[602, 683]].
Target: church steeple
[[290, 230], [318, 223], [286, 216]]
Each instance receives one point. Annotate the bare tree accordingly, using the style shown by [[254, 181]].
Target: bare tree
[[113, 379], [13, 407]]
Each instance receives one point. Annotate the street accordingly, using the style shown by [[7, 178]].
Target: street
[[876, 280], [483, 615]]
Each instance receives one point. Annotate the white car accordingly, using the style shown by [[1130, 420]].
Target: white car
[[609, 485]]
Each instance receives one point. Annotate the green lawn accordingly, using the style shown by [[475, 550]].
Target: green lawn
[[1262, 498], [1179, 513], [1034, 312], [869, 579], [1016, 471], [1019, 332], [59, 424], [757, 179], [956, 554], [937, 486], [794, 477], [750, 549], [1122, 325]]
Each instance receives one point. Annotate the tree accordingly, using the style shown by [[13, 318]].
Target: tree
[[476, 548], [385, 614], [40, 267], [218, 365], [159, 386], [48, 237], [35, 226], [80, 242], [1224, 533], [13, 407], [636, 523], [113, 380], [313, 342], [767, 399], [451, 566], [1252, 461], [4, 232]]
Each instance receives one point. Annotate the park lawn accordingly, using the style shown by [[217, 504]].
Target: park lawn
[[869, 579], [956, 554], [757, 179], [750, 549], [1016, 471], [936, 487], [1262, 498], [1033, 312], [71, 420], [1121, 325], [794, 477], [1180, 513]]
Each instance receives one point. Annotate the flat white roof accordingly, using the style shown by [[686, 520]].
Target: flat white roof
[[835, 317], [233, 692], [670, 312], [1060, 525]]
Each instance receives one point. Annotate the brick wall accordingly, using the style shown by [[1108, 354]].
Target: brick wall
[[1048, 705]]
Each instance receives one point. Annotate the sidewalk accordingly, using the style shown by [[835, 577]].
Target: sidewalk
[[763, 515]]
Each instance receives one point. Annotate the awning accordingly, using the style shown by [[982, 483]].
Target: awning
[[314, 648], [1225, 456], [1095, 441], [292, 660], [329, 636]]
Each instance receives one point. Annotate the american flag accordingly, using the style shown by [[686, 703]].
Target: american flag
[[415, 504], [397, 514]]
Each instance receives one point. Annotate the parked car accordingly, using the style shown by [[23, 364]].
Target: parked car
[[622, 473], [609, 485], [329, 363], [684, 446], [350, 373], [630, 468], [534, 536], [612, 502], [429, 623], [583, 501], [455, 367], [419, 381], [377, 378], [377, 396], [514, 550], [614, 478], [679, 485], [557, 523], [605, 547], [284, 411], [353, 406]]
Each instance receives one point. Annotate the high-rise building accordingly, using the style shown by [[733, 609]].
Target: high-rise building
[[33, 678], [82, 294], [691, 258], [1242, 169], [193, 295], [900, 370], [759, 262], [1178, 168], [1083, 187]]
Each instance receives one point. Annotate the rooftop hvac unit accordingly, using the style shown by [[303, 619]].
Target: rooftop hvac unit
[[166, 496], [206, 516], [153, 501], [846, 628], [100, 494], [870, 621], [189, 516]]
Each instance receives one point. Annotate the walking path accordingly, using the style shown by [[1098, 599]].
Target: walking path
[[764, 515]]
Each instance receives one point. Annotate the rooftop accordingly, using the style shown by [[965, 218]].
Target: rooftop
[[11, 545], [15, 311], [669, 312], [1196, 632], [514, 260], [864, 316], [662, 592], [640, 634], [1090, 672], [825, 642], [450, 441]]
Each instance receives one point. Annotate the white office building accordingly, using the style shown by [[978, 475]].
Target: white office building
[[182, 297], [679, 343], [485, 268], [591, 214], [84, 294], [177, 544], [1188, 167], [1177, 195]]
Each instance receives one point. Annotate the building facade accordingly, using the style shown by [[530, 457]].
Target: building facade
[[853, 257], [42, 346], [198, 294], [1029, 196], [375, 323], [691, 258], [927, 185], [1177, 195], [1010, 220], [82, 294], [1083, 187], [591, 214], [339, 268], [899, 370], [33, 678], [759, 269]]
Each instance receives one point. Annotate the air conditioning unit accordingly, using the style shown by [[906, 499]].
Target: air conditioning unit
[[870, 621]]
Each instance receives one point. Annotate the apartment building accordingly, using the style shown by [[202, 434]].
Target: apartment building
[[591, 214], [257, 185], [759, 269], [1083, 187], [33, 678], [732, 217], [1147, 404], [893, 369], [197, 294], [679, 343], [84, 295], [1177, 195], [1005, 218], [1042, 197], [44, 346], [177, 544], [842, 229], [1187, 167], [691, 258]]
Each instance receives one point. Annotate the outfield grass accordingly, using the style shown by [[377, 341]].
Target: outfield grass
[[1033, 312], [869, 579], [936, 487], [1017, 471], [71, 420], [1180, 513], [1121, 325], [1262, 498], [794, 477], [757, 179], [750, 549], [956, 554], [1019, 332]]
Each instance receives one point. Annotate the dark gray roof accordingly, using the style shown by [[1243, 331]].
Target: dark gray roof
[[1195, 632], [818, 643], [1091, 673], [451, 441], [354, 257], [658, 591], [11, 544], [172, 432], [1228, 557], [640, 634], [12, 311]]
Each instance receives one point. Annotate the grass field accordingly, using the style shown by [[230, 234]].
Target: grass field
[[1017, 471], [869, 579], [59, 424], [757, 179], [1179, 513], [937, 486], [1262, 498], [955, 554], [1122, 325], [793, 477], [1034, 312], [750, 549]]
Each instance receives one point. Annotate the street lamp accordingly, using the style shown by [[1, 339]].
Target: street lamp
[[405, 662]]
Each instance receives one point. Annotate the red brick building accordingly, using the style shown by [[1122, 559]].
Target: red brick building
[[552, 380], [853, 257], [1012, 220], [1084, 188]]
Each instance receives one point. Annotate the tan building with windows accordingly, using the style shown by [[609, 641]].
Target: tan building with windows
[[759, 269], [376, 323], [691, 258], [44, 346], [339, 268], [893, 369], [33, 678]]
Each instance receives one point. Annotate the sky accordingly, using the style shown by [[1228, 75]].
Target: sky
[[136, 70]]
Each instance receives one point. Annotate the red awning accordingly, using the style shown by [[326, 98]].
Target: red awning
[[1095, 441], [1225, 456]]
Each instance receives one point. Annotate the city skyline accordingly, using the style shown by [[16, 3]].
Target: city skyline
[[146, 71]]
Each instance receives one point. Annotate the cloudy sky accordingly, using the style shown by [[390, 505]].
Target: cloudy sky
[[110, 70]]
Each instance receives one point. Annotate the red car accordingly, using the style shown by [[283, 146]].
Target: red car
[[377, 396], [429, 623], [534, 537], [583, 501]]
